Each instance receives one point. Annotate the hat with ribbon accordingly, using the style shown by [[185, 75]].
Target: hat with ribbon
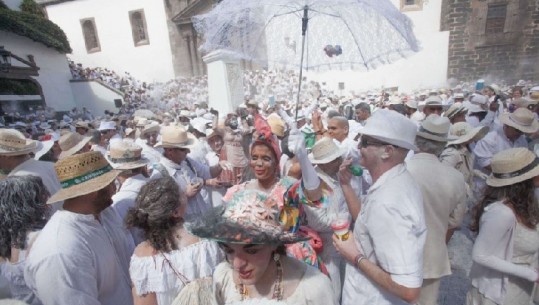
[[512, 166], [463, 132], [435, 128], [250, 217], [324, 151], [455, 109], [82, 174], [176, 137], [14, 143], [125, 155], [521, 119], [71, 143]]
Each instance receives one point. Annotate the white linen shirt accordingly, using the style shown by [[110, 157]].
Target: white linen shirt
[[78, 259], [390, 229], [125, 199], [494, 142]]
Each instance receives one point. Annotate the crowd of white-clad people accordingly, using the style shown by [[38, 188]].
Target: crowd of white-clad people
[[348, 200]]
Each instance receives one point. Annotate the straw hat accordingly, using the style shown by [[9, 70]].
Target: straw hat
[[411, 103], [125, 155], [129, 131], [455, 109], [512, 166], [325, 151], [435, 128], [176, 137], [464, 132], [13, 143], [521, 102], [276, 124], [391, 127], [107, 125], [150, 128], [210, 133], [432, 100], [71, 143], [46, 143], [82, 174], [522, 119], [82, 124], [250, 217]]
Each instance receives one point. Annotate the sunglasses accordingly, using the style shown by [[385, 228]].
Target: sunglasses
[[364, 142]]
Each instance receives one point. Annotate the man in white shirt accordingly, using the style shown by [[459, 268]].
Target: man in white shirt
[[82, 254], [385, 255]]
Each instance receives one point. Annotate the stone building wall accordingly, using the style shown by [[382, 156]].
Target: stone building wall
[[508, 55]]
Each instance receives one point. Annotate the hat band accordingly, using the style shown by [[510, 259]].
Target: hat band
[[186, 142], [10, 148], [86, 177], [124, 160], [519, 172], [443, 135]]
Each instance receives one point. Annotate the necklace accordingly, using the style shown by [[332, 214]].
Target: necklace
[[278, 290]]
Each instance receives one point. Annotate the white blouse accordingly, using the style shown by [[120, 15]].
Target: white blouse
[[159, 273]]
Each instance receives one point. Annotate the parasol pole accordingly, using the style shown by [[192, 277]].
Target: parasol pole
[[305, 21]]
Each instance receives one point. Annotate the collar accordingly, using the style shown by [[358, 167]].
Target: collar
[[425, 156], [390, 174]]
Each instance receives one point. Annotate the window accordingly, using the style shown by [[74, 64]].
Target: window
[[411, 5], [138, 28], [91, 40], [496, 18]]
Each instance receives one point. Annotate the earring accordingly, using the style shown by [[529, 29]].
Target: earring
[[276, 257]]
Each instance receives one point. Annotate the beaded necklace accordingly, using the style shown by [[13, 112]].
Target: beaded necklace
[[278, 290]]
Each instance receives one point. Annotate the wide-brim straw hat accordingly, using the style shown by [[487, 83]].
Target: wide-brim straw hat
[[463, 132], [521, 119], [512, 166], [325, 151], [176, 137], [391, 127], [455, 109], [14, 143], [434, 128], [71, 143], [82, 174], [433, 100], [149, 128], [125, 155], [250, 217]]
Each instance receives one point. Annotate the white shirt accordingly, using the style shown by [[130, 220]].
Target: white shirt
[[79, 260], [153, 154], [494, 142], [200, 150], [390, 229], [125, 199], [183, 175]]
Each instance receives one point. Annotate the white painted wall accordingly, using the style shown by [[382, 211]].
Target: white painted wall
[[95, 97], [54, 74], [13, 4], [425, 69], [149, 63]]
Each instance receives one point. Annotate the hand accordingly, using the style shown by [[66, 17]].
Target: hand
[[494, 106], [225, 165], [296, 143], [213, 182], [193, 189], [347, 248], [345, 176]]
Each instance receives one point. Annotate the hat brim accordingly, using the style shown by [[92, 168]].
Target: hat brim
[[475, 134], [333, 156], [73, 150], [432, 137], [420, 107], [504, 118], [498, 182], [190, 143], [43, 148], [128, 165], [84, 188], [30, 147], [400, 143]]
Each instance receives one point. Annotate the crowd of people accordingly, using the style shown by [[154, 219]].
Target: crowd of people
[[348, 200]]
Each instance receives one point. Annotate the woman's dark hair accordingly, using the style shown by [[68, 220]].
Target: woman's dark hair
[[23, 208], [281, 249], [520, 196], [153, 212]]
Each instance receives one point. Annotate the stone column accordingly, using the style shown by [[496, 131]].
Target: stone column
[[225, 81]]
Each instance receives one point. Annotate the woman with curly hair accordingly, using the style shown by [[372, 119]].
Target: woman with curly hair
[[504, 269], [23, 213], [170, 257]]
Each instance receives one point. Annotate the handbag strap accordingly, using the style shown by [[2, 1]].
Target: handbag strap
[[180, 276]]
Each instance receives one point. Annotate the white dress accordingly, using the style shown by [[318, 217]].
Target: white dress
[[158, 273]]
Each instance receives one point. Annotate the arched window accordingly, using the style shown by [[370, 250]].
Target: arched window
[[89, 32], [138, 28]]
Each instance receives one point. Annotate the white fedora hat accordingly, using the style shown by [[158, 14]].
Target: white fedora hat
[[176, 137], [463, 132], [125, 155], [432, 100], [522, 119], [435, 128], [107, 125], [392, 128], [455, 109], [13, 143], [325, 151], [512, 166]]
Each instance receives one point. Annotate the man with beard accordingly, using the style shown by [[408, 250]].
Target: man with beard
[[82, 254]]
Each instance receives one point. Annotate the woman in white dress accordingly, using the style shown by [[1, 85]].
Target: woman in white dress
[[24, 212], [170, 257], [256, 269], [504, 269]]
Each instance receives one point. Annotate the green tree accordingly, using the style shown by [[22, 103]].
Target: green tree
[[3, 5], [29, 6]]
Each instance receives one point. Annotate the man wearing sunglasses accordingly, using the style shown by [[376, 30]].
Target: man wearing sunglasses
[[385, 255]]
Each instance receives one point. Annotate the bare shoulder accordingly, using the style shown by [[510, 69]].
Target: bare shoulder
[[144, 249], [187, 239]]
